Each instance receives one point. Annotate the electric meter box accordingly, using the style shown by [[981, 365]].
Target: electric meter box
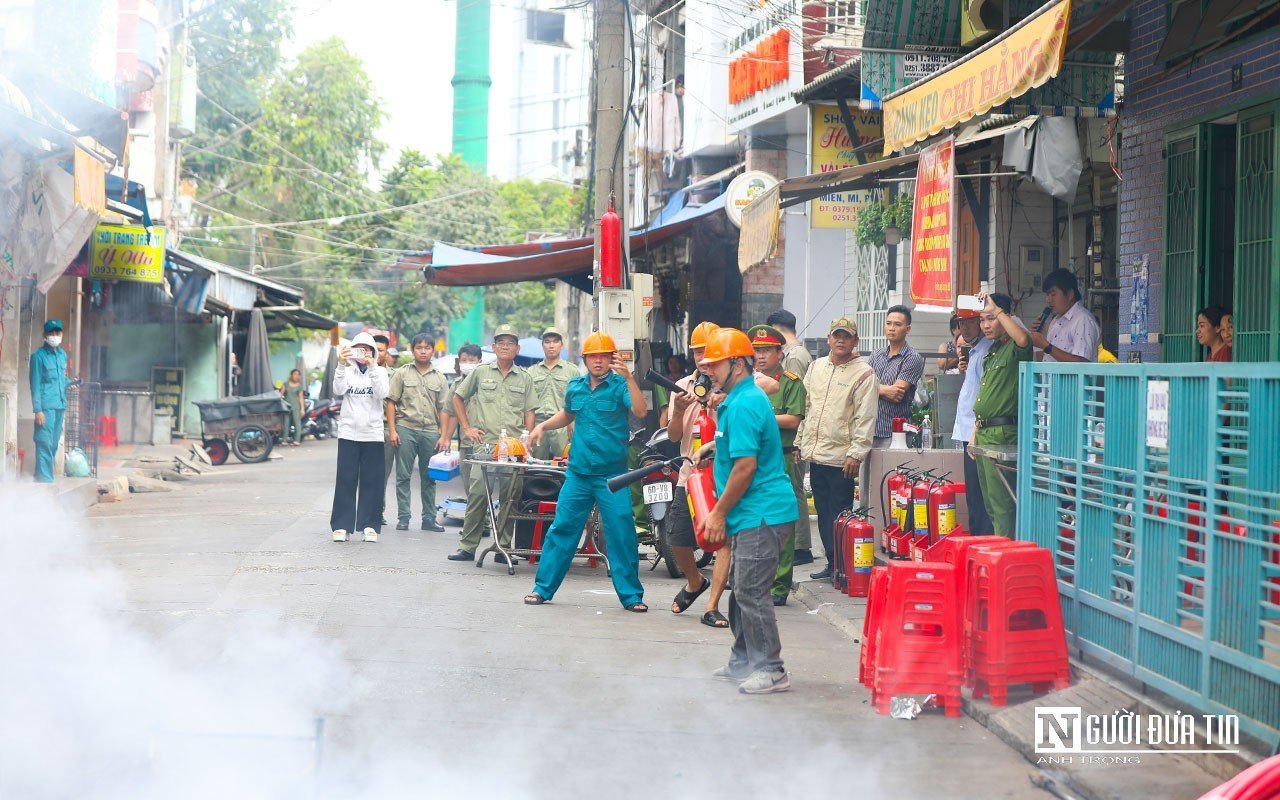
[[617, 317]]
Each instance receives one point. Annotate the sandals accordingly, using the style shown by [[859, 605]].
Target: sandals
[[684, 599], [638, 608], [715, 619], [535, 599]]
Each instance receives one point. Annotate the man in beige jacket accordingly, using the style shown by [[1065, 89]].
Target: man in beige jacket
[[839, 421]]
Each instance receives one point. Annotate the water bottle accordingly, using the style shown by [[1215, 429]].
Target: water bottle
[[926, 433], [504, 449]]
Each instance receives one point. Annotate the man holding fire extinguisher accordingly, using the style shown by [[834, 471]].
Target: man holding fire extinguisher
[[597, 405], [755, 511]]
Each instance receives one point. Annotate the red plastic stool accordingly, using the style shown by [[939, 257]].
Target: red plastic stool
[[1017, 635], [876, 598], [107, 436], [917, 648], [544, 507]]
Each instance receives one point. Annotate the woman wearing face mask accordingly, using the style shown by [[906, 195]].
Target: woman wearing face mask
[[357, 493]]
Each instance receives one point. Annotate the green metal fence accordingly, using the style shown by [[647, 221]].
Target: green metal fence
[[1167, 552]]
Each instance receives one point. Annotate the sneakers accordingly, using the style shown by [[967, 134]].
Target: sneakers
[[761, 682], [370, 535], [726, 674], [339, 536]]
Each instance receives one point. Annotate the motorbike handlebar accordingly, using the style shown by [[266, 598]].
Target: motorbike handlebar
[[640, 473]]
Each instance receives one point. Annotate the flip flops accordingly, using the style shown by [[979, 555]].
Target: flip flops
[[684, 599], [638, 608], [535, 599], [714, 619]]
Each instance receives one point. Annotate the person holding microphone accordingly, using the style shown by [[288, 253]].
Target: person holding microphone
[[597, 405]]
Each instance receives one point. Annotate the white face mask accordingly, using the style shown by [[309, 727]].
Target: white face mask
[[467, 369], [53, 341]]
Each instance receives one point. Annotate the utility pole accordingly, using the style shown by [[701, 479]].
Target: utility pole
[[609, 109]]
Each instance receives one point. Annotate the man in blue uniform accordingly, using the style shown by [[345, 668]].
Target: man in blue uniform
[[597, 404], [49, 397], [755, 508]]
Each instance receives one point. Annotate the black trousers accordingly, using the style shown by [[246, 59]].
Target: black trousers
[[979, 519], [832, 493], [358, 488]]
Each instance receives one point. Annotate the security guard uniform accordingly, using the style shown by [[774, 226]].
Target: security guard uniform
[[49, 382], [789, 399], [493, 402], [996, 412], [419, 398], [550, 384]]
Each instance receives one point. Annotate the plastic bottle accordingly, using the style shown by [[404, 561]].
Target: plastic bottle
[[504, 449], [926, 433]]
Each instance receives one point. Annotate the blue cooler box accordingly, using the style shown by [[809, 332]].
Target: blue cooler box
[[444, 466]]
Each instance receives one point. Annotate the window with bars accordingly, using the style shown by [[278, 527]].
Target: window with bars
[[845, 16]]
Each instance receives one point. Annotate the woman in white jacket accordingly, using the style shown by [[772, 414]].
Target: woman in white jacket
[[357, 492]]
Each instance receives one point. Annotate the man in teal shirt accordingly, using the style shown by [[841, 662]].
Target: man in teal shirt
[[597, 404], [49, 382], [755, 509]]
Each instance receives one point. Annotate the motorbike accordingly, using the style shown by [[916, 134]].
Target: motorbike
[[319, 418], [657, 473]]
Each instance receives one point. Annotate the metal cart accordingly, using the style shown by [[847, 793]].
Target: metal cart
[[590, 545], [246, 426]]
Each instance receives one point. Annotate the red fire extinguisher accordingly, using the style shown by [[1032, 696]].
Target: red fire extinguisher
[[859, 553], [920, 511], [894, 504], [701, 488], [611, 248], [942, 508]]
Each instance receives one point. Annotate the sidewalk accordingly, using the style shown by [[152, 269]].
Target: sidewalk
[[1168, 777]]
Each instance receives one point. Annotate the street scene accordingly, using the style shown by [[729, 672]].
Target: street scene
[[721, 397]]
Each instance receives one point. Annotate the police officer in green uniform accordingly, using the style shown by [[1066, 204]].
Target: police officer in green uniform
[[492, 398], [417, 428], [788, 409], [996, 406], [49, 382], [551, 378]]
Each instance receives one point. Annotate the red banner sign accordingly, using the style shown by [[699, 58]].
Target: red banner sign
[[931, 228]]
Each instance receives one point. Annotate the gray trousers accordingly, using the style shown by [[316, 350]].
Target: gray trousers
[[756, 645]]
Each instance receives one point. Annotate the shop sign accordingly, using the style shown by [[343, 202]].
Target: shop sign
[[1158, 414], [764, 63], [168, 385], [127, 253], [931, 227], [1023, 58], [743, 190], [833, 150]]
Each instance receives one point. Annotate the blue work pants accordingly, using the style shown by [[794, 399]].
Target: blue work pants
[[46, 438]]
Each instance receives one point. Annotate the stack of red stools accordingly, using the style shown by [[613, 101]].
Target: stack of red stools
[[983, 612], [1013, 622], [917, 644]]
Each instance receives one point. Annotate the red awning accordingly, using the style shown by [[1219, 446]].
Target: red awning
[[569, 259]]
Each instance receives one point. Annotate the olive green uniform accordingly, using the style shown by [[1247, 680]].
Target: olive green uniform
[[419, 398], [493, 402], [550, 383], [998, 397], [789, 399], [796, 359]]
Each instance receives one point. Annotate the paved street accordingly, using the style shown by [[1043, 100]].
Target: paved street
[[431, 675]]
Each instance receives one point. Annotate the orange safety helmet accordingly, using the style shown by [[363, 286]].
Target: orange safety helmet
[[727, 343], [702, 334], [515, 448], [597, 343]]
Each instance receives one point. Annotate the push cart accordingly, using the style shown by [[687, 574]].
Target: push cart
[[246, 426], [527, 483]]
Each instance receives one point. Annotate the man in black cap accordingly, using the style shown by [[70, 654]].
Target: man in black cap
[[49, 382]]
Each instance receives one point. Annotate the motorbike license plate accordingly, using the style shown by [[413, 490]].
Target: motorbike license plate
[[657, 492]]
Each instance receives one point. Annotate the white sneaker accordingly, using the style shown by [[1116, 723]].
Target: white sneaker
[[339, 536], [370, 535], [762, 682]]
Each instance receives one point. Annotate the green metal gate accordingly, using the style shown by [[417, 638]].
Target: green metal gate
[[1255, 279], [1182, 249]]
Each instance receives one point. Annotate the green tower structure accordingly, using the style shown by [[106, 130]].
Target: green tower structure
[[471, 133]]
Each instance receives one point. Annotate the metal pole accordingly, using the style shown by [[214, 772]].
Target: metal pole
[[609, 109]]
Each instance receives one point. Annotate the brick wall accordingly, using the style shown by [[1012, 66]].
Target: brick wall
[[762, 286], [1153, 108]]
